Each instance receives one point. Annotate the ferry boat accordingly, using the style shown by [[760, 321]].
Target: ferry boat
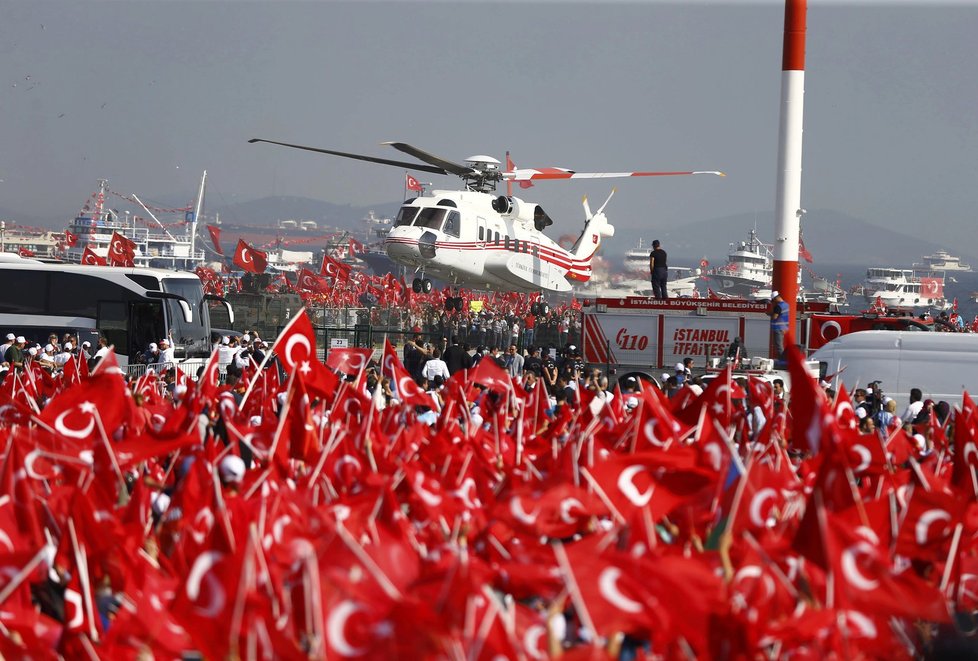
[[161, 245], [904, 289], [942, 261]]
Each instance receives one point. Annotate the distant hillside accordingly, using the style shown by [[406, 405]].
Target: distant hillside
[[265, 211], [832, 238]]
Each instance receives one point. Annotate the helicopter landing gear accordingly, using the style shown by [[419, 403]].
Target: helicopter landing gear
[[421, 286], [454, 303]]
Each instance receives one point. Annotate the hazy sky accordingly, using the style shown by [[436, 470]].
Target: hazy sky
[[148, 94]]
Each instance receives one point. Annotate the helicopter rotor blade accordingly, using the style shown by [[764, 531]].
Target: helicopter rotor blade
[[437, 161], [530, 174], [360, 157], [587, 209]]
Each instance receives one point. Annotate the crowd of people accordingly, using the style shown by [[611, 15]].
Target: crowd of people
[[456, 503]]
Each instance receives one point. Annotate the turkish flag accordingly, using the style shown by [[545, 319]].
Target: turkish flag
[[74, 414], [89, 258], [215, 233], [71, 239], [122, 251], [309, 281], [408, 391], [411, 183], [334, 269], [348, 360], [250, 259], [297, 342]]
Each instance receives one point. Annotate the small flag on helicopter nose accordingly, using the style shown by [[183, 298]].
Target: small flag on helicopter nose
[[410, 183]]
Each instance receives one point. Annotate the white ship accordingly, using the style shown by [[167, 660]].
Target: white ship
[[158, 244], [904, 289], [942, 261]]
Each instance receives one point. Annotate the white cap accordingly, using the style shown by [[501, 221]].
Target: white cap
[[11, 337], [152, 346], [86, 343], [246, 338], [32, 351], [21, 339], [160, 502], [232, 468], [665, 377], [225, 340], [680, 367], [775, 293], [49, 347], [179, 390], [68, 346]]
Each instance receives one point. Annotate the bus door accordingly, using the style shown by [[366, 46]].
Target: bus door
[[131, 326]]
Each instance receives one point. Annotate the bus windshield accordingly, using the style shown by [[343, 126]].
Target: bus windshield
[[195, 336]]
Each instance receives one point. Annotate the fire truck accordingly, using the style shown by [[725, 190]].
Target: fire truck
[[637, 336], [641, 336]]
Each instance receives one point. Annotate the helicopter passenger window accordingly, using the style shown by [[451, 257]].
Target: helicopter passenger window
[[431, 217], [405, 216], [516, 245], [482, 232], [506, 245], [453, 223]]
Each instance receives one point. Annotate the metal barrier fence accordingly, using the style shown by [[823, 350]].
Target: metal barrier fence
[[190, 368]]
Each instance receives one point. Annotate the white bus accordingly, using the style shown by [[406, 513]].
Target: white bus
[[129, 307]]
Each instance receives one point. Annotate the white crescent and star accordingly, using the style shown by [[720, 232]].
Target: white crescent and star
[[851, 569], [757, 505], [200, 572]]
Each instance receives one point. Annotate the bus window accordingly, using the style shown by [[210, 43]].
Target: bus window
[[113, 321], [146, 326]]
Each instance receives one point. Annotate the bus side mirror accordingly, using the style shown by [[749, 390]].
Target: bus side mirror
[[188, 315]]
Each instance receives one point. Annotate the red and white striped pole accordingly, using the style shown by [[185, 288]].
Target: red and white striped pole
[[788, 203]]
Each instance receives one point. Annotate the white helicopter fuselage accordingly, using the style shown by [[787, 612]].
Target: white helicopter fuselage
[[460, 237]]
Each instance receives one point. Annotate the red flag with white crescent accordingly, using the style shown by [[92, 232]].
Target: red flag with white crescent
[[71, 239], [297, 342], [250, 259], [89, 258], [407, 389], [412, 184], [122, 251]]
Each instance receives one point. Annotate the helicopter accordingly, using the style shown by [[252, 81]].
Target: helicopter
[[477, 238]]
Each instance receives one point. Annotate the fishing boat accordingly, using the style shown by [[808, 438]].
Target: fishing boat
[[942, 261]]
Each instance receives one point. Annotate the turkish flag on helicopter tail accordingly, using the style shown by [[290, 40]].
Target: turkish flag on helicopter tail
[[122, 251], [250, 259], [89, 258], [215, 233]]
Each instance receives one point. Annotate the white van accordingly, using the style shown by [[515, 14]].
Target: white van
[[942, 365]]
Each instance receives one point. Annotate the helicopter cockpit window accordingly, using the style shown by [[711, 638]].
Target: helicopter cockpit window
[[405, 216], [431, 217], [447, 203], [540, 219], [453, 223]]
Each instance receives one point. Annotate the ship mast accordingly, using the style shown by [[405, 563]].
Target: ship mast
[[197, 208]]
